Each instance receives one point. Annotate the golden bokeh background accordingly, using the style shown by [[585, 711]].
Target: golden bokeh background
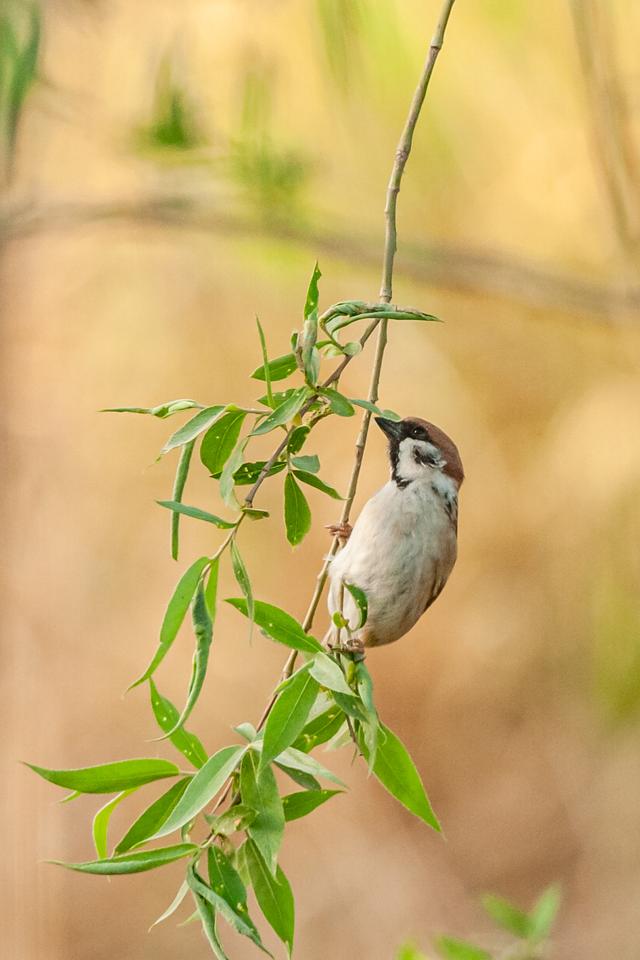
[[177, 169]]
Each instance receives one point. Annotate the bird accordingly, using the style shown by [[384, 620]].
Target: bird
[[403, 546]]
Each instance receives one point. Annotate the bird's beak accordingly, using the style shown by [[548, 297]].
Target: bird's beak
[[392, 428]]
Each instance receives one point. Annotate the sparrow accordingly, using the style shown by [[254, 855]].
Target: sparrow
[[403, 545]]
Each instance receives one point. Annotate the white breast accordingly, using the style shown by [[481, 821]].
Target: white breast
[[401, 552]]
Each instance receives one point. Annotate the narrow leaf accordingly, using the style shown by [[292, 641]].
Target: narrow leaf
[[109, 777], [452, 949], [297, 438], [289, 715], [544, 913], [167, 717], [278, 625], [178, 490], [220, 439], [285, 412], [243, 581], [265, 362], [153, 817], [174, 615], [328, 674], [296, 805], [338, 403], [101, 823], [194, 427], [202, 788], [311, 464], [297, 515], [259, 791], [321, 729], [294, 759], [227, 477], [132, 862], [248, 473], [506, 915], [162, 411], [203, 631], [372, 408], [361, 602], [313, 481], [313, 295], [208, 920], [228, 886], [173, 906], [279, 369], [196, 513], [273, 894], [396, 771]]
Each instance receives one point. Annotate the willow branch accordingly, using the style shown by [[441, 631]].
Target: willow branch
[[390, 246]]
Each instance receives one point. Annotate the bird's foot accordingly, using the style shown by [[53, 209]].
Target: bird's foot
[[340, 530], [352, 647]]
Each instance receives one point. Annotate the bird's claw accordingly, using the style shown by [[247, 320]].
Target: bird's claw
[[352, 647], [340, 530]]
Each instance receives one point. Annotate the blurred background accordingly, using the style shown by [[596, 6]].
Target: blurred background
[[170, 170]]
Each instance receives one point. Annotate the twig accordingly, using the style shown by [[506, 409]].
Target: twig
[[386, 290]]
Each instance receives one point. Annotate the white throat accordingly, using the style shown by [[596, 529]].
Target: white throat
[[418, 460]]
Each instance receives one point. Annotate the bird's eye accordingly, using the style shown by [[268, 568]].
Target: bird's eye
[[419, 433]]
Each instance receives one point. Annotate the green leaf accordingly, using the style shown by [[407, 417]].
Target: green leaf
[[220, 439], [203, 631], [316, 482], [132, 862], [506, 915], [459, 950], [174, 615], [259, 791], [304, 780], [294, 759], [273, 894], [227, 477], [208, 920], [396, 771], [297, 515], [211, 588], [237, 917], [162, 411], [296, 805], [254, 514], [101, 823], [109, 777], [372, 408], [265, 362], [153, 817], [409, 951], [320, 729], [278, 397], [178, 489], [544, 913], [310, 464], [285, 412], [279, 369], [248, 473], [167, 717], [194, 427], [243, 581], [278, 625], [371, 724], [297, 438], [361, 602], [196, 513], [338, 403], [173, 906], [288, 715], [328, 674], [229, 888], [313, 295], [202, 788]]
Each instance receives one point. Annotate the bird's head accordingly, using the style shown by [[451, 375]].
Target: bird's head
[[419, 450]]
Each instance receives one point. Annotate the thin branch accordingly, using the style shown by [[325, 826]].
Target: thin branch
[[401, 157]]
